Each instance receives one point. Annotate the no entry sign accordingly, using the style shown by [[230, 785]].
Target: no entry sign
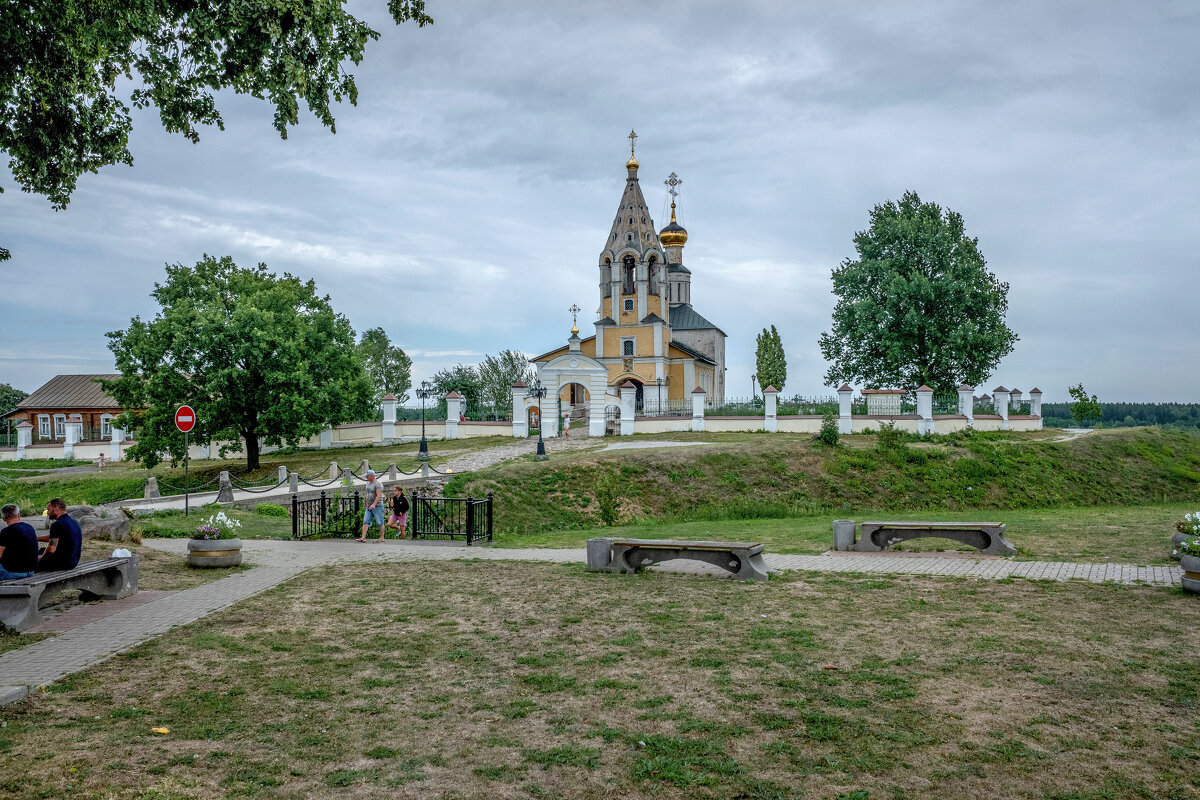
[[185, 418]]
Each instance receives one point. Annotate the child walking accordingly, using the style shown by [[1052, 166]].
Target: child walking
[[399, 519]]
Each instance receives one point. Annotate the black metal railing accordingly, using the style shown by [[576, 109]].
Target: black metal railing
[[466, 518], [650, 407], [327, 515], [802, 405]]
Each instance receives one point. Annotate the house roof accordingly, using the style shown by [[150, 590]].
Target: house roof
[[693, 352], [686, 318], [68, 392]]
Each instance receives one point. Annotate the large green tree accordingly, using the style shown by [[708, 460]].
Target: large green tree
[[259, 356], [9, 397], [388, 367], [461, 378], [769, 359], [498, 373], [918, 305], [70, 71]]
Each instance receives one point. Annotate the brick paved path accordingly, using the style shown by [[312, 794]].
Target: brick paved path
[[46, 661]]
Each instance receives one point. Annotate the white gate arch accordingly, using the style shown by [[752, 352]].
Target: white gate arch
[[573, 367]]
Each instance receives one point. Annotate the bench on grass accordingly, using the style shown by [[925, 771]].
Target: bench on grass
[[988, 537], [626, 556], [21, 600]]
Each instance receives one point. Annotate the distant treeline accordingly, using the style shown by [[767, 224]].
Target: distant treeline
[[1128, 415]]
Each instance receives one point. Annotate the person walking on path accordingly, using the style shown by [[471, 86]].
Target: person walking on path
[[373, 513], [399, 519], [567, 424], [64, 540], [18, 546]]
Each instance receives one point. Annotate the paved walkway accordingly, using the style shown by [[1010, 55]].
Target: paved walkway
[[51, 659]]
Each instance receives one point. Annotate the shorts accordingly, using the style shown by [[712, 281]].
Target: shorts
[[402, 519], [375, 514]]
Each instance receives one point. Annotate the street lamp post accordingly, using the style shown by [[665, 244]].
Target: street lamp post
[[425, 392], [539, 391], [659, 382], [754, 386]]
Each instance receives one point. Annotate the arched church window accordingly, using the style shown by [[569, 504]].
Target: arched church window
[[629, 237], [627, 347], [628, 269], [631, 220]]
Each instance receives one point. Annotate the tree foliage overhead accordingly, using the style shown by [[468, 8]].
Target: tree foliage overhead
[[389, 369], [65, 66], [769, 359], [918, 305], [257, 355], [9, 397]]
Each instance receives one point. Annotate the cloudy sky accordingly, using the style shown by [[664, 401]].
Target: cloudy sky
[[463, 203]]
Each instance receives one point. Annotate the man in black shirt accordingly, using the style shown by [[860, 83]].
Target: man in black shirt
[[18, 546], [65, 539]]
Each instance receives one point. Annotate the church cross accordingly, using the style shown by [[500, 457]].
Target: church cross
[[574, 309], [632, 137], [673, 181]]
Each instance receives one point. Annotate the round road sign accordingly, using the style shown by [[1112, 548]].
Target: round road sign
[[185, 418]]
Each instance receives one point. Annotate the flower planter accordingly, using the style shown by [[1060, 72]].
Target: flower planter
[[1191, 573], [1177, 540], [209, 553]]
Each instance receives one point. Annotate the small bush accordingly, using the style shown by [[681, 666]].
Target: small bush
[[829, 430], [607, 498], [270, 510], [890, 440]]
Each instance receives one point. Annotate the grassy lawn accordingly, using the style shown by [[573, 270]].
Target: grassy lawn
[[126, 479], [480, 680], [172, 524], [1129, 534]]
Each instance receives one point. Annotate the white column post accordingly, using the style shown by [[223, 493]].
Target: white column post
[[1000, 401], [327, 437], [389, 403], [520, 419], [24, 438], [454, 407], [924, 410], [628, 400], [597, 388], [845, 413], [770, 420], [549, 413], [966, 404], [74, 433], [1014, 399], [1035, 405], [698, 398], [115, 452]]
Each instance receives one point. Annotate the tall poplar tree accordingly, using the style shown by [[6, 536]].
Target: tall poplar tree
[[769, 359]]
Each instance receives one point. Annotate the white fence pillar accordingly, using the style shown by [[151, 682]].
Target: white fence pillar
[[966, 403], [115, 451], [924, 410], [1014, 399], [698, 398], [548, 418], [1035, 405], [24, 438], [389, 403], [628, 400], [845, 409], [74, 434], [1000, 401], [454, 407], [770, 419], [519, 415]]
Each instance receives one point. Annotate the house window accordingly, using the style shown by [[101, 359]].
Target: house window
[[60, 426], [106, 426], [44, 426], [629, 305], [627, 347]]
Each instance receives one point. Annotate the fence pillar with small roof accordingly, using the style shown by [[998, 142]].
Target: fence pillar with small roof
[[24, 438], [845, 408], [388, 404], [1014, 399], [698, 398], [628, 403], [454, 407], [1000, 402], [1035, 405], [520, 418], [924, 410], [966, 403], [770, 420], [73, 434]]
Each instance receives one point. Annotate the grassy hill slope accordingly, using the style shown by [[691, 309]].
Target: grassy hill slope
[[779, 476]]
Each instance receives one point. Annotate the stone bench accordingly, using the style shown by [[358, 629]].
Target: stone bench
[[987, 537], [21, 600], [626, 556]]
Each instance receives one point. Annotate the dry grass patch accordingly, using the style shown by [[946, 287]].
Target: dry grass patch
[[473, 679]]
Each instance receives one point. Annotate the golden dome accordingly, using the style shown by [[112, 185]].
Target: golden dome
[[632, 163], [674, 235]]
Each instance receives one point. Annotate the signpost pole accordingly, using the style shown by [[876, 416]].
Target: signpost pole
[[186, 488]]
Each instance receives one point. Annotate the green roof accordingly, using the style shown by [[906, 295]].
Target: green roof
[[685, 318]]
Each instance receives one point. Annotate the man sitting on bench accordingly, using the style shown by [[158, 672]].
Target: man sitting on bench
[[18, 546], [64, 541]]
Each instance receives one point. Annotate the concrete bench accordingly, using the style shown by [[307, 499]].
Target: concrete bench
[[21, 600], [626, 556], [988, 537]]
